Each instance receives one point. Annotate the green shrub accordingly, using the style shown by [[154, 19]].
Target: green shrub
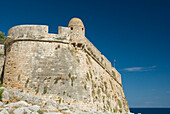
[[2, 36], [40, 112], [69, 75], [1, 91], [1, 84], [85, 87], [59, 100], [113, 73]]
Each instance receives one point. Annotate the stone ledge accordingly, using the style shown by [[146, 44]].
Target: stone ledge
[[11, 40]]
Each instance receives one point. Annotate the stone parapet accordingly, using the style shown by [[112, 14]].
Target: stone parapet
[[28, 30], [37, 32]]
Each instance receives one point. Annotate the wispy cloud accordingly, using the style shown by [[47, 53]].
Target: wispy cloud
[[148, 102], [139, 69], [168, 91]]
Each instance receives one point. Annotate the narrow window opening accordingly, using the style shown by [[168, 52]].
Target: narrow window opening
[[71, 28]]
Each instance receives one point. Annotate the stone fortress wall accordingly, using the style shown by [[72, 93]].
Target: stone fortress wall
[[65, 67], [40, 32]]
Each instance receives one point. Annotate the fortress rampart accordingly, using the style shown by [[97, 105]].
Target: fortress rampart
[[65, 67], [40, 33]]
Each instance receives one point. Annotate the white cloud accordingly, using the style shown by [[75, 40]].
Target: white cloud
[[132, 69], [168, 91], [148, 102]]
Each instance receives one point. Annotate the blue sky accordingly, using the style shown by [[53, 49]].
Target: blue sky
[[134, 32]]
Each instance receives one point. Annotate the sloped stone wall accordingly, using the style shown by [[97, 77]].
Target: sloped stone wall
[[62, 73], [105, 92], [42, 68]]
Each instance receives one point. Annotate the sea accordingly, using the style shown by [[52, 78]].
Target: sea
[[150, 110]]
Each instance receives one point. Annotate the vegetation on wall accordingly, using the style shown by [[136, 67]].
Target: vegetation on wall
[[56, 80], [2, 36], [72, 78], [40, 112], [88, 78], [27, 82], [1, 91], [45, 89], [113, 73], [61, 38], [1, 83]]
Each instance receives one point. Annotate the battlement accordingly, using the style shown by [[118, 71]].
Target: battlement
[[37, 32]]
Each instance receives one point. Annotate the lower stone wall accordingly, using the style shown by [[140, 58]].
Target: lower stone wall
[[105, 92], [63, 73], [44, 69]]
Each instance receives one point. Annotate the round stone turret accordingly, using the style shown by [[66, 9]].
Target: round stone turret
[[76, 25]]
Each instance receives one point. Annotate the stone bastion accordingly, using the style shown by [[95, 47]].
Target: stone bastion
[[65, 67]]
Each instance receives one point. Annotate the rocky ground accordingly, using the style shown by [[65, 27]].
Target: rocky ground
[[14, 102]]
